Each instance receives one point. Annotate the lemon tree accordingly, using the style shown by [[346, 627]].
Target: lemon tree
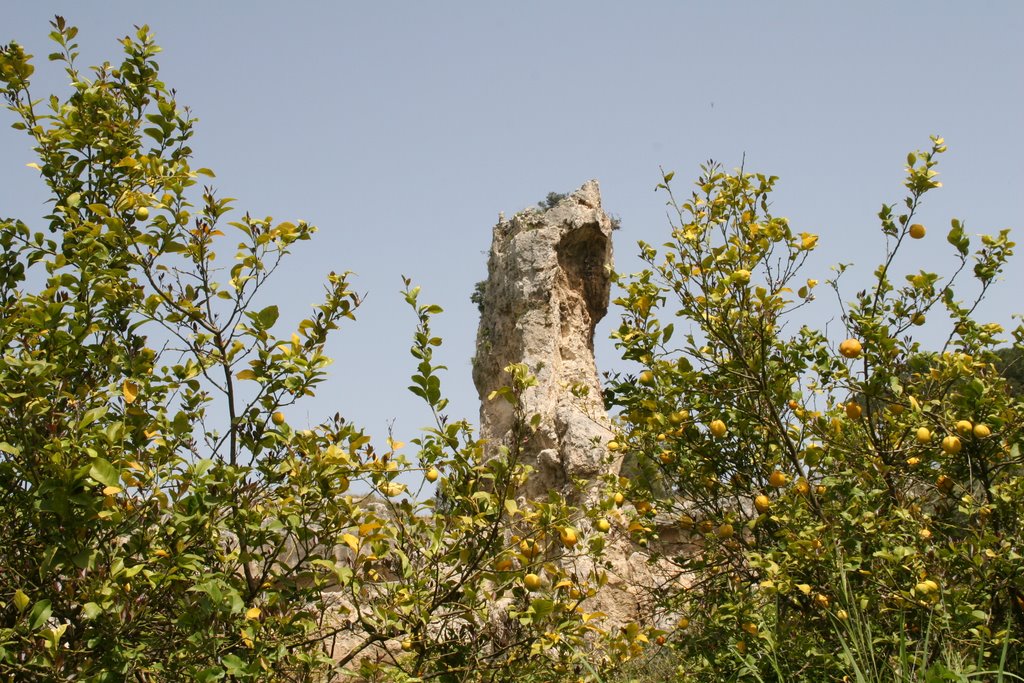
[[163, 518], [832, 482]]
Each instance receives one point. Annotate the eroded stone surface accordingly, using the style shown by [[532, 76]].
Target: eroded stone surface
[[549, 281], [549, 278]]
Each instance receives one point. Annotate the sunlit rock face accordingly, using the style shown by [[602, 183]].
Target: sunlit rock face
[[548, 283]]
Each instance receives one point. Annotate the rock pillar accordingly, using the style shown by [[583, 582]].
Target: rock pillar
[[548, 283]]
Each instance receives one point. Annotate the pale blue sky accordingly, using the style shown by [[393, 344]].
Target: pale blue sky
[[402, 129]]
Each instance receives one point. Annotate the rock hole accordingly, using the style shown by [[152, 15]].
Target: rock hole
[[582, 255]]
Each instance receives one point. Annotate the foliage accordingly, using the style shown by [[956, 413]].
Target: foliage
[[833, 512], [809, 480], [477, 297], [163, 517], [551, 200]]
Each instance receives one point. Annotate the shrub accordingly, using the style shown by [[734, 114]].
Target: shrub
[[818, 477], [551, 200], [163, 517]]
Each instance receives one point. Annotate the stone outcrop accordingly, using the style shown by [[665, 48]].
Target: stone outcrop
[[548, 283], [548, 286]]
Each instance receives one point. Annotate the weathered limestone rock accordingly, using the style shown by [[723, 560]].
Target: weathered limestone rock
[[548, 285], [549, 278]]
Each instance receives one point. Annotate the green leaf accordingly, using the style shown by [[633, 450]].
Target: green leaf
[[542, 607], [8, 448], [40, 613], [201, 467], [267, 317], [957, 238], [91, 610], [91, 416], [129, 572], [234, 664], [104, 473], [213, 673]]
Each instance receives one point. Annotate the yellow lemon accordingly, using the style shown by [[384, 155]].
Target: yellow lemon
[[762, 503], [850, 348]]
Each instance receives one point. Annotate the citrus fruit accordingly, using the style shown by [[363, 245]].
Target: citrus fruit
[[850, 348]]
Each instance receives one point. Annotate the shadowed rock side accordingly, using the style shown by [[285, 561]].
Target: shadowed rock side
[[549, 278]]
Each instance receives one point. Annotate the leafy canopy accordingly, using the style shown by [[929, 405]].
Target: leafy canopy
[[834, 507], [164, 519]]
